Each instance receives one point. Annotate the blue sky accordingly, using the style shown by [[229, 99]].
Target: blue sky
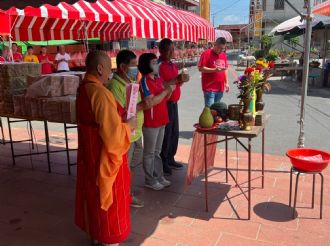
[[230, 11]]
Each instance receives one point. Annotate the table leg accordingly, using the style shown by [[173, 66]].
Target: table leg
[[295, 196], [47, 145], [313, 191], [249, 179], [31, 134], [290, 194], [67, 148], [263, 160], [206, 179], [11, 141], [2, 132], [321, 198], [226, 159]]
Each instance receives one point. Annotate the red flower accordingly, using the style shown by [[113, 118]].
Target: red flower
[[271, 64], [248, 70], [259, 68]]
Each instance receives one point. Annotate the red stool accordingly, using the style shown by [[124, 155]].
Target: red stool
[[298, 172]]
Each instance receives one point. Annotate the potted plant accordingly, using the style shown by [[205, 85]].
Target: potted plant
[[251, 86], [263, 85], [272, 55]]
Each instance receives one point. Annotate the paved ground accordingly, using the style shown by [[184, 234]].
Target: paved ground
[[37, 207]]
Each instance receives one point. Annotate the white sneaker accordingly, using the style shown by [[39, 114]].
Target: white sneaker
[[165, 182], [155, 186]]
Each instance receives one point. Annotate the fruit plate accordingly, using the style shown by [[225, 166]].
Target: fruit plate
[[198, 127]]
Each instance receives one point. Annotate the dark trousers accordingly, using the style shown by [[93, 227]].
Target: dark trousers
[[171, 136]]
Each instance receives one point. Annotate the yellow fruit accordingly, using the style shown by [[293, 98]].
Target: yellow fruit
[[206, 119]]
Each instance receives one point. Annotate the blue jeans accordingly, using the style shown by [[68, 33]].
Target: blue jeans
[[211, 97]]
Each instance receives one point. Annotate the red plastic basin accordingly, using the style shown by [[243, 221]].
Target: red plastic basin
[[308, 165]]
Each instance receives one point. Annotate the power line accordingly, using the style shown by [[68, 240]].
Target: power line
[[226, 7], [240, 10]]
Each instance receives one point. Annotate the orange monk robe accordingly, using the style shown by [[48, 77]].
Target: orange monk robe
[[103, 196]]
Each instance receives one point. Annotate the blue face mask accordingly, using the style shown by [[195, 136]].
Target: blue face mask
[[132, 73]]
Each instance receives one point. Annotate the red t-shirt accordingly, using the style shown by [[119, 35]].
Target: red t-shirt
[[213, 81], [18, 57], [157, 116], [46, 68], [169, 71], [2, 59]]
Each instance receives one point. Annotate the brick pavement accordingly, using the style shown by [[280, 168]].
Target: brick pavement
[[36, 208]]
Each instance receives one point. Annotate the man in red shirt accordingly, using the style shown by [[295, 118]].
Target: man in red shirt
[[213, 66], [168, 71], [5, 54], [18, 57], [2, 59], [45, 61]]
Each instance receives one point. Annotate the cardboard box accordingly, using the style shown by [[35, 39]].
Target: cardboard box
[[60, 109], [52, 85], [18, 69], [19, 102]]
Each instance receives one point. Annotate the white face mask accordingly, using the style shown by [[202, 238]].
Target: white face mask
[[111, 76], [155, 69]]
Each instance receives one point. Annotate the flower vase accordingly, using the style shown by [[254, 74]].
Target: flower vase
[[259, 102], [253, 103], [247, 119]]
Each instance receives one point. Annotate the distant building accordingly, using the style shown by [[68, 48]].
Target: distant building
[[256, 15], [239, 33], [266, 14], [278, 11]]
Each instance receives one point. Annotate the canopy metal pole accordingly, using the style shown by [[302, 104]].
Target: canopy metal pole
[[86, 37], [308, 36], [10, 49], [324, 54]]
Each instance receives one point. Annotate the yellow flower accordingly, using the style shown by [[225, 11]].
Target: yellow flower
[[262, 62]]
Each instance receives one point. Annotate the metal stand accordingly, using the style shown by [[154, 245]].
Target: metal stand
[[248, 148], [19, 141], [66, 127], [3, 141], [47, 141], [296, 189]]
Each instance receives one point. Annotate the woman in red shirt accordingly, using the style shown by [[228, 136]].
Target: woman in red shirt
[[155, 120]]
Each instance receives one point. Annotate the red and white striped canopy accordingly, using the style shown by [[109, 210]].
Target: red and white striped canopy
[[64, 21], [119, 19], [34, 3], [322, 8], [224, 34]]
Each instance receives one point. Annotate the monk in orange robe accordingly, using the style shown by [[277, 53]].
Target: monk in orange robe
[[103, 179]]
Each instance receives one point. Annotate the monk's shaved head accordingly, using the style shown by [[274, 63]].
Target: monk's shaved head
[[98, 64], [95, 58]]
